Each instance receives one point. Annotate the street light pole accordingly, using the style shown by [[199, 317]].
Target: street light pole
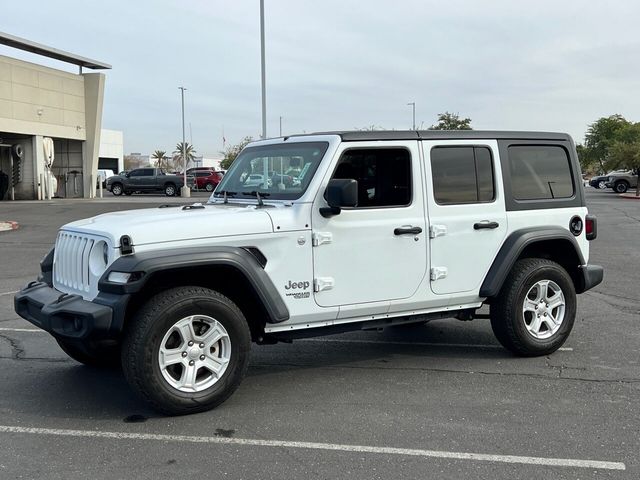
[[280, 125], [185, 192], [264, 88], [413, 105]]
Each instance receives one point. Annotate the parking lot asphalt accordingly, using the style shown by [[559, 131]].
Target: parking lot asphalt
[[441, 400]]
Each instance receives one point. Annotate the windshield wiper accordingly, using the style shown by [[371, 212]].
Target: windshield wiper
[[258, 195], [225, 194]]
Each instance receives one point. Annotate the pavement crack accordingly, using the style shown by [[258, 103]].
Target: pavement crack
[[631, 217], [17, 352], [469, 372]]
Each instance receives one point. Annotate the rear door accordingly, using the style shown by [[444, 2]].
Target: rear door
[[467, 217]]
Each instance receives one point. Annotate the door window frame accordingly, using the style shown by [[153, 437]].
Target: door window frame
[[382, 147], [493, 172]]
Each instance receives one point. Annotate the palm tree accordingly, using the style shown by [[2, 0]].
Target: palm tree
[[161, 159], [182, 151]]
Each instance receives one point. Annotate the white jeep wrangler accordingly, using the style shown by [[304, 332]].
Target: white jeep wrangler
[[343, 230]]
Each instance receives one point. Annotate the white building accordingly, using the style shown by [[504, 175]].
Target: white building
[[111, 153], [42, 107]]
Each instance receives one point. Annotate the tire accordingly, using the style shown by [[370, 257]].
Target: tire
[[515, 313], [621, 186], [602, 185], [209, 187], [92, 355], [157, 357], [117, 189], [170, 190]]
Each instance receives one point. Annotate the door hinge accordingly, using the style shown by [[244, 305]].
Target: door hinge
[[438, 273], [319, 238], [437, 231], [323, 283]]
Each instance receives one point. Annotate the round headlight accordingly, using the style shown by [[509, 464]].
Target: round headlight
[[99, 258]]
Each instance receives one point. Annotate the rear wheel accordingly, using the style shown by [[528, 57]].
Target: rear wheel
[[116, 189], [535, 310], [170, 190], [621, 186], [209, 187], [602, 185], [186, 350], [91, 354]]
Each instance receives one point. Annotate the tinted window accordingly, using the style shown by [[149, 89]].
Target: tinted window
[[540, 172], [462, 175], [136, 173], [383, 175]]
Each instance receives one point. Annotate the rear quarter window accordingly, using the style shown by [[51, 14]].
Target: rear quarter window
[[540, 172]]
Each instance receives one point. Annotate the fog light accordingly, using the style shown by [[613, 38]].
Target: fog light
[[119, 277]]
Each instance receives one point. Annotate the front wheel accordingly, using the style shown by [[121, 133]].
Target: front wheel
[[186, 350], [209, 187], [536, 308], [116, 189], [602, 185]]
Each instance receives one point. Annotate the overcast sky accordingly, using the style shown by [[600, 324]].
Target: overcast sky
[[538, 65]]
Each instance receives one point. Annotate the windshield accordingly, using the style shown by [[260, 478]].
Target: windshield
[[280, 172]]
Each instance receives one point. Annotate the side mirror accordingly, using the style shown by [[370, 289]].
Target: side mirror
[[341, 192], [127, 174]]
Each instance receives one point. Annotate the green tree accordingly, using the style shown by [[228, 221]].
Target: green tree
[[232, 151], [451, 121], [600, 137], [624, 152], [183, 150], [162, 161]]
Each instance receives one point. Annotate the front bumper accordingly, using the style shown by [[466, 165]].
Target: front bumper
[[63, 315], [590, 276]]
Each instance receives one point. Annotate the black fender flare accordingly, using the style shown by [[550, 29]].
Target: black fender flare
[[144, 265], [511, 249]]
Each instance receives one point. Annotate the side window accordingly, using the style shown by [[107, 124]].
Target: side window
[[136, 173], [383, 175], [540, 172], [147, 172], [462, 175]]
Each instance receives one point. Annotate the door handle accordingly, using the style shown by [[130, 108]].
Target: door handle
[[485, 224], [407, 231]]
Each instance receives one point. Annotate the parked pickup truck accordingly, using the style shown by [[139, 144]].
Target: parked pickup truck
[[146, 180]]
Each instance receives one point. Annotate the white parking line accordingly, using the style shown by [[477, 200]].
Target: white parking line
[[481, 457], [9, 293], [31, 330], [421, 344]]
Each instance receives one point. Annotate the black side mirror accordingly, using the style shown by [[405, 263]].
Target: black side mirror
[[341, 192], [127, 174]]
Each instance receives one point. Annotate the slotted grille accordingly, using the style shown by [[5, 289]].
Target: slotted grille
[[71, 262]]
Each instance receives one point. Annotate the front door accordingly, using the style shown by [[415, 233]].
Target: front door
[[467, 217], [377, 251]]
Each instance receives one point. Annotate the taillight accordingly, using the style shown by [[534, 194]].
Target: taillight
[[591, 227]]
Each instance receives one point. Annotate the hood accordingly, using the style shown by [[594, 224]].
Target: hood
[[153, 225]]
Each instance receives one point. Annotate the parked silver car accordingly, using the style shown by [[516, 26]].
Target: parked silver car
[[622, 181]]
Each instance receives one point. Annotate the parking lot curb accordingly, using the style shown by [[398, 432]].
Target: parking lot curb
[[8, 225], [631, 196]]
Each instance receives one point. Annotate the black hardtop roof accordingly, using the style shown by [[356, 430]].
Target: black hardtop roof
[[357, 135]]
